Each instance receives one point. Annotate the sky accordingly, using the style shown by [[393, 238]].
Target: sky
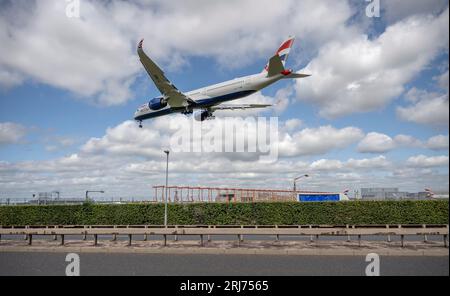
[[374, 113]]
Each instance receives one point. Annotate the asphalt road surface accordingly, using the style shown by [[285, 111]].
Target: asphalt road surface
[[31, 263]]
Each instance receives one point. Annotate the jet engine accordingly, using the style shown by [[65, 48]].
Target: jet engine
[[157, 103]]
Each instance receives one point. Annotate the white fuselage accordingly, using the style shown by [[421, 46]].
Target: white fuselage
[[253, 82]]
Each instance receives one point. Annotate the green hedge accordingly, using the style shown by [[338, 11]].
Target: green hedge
[[354, 212]]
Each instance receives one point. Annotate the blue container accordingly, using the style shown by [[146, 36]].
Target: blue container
[[319, 197]]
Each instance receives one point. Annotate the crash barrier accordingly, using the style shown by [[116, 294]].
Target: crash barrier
[[28, 231]]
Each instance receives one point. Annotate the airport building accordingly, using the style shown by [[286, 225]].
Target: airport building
[[381, 193], [390, 194]]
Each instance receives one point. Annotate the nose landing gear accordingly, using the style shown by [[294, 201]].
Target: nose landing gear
[[140, 123]]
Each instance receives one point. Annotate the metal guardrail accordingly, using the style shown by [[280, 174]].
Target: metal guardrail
[[356, 226], [238, 230]]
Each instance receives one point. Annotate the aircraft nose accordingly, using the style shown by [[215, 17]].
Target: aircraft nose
[[137, 114]]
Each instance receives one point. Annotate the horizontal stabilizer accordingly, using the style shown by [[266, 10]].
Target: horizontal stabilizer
[[297, 75]]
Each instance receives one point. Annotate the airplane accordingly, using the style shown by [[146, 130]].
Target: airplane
[[432, 195], [209, 99]]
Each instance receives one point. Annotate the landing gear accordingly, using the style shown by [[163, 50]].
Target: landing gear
[[203, 115], [140, 123], [187, 111], [208, 115]]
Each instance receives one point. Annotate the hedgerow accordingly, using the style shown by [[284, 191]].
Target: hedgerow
[[280, 213]]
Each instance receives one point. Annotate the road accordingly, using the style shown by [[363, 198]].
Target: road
[[30, 263]]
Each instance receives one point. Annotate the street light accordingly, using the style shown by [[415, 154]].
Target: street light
[[87, 191], [167, 181], [295, 180]]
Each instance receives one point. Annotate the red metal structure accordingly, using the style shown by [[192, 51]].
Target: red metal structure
[[183, 194]]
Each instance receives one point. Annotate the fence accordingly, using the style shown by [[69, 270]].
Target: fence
[[183, 194]]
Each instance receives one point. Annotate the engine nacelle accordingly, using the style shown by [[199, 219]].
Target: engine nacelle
[[202, 115], [157, 103]]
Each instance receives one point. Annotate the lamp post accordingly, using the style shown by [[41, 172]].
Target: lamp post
[[167, 182], [295, 180], [87, 191]]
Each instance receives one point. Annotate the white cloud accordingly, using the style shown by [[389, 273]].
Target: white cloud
[[442, 80], [316, 141], [407, 141], [376, 143], [414, 95], [351, 165], [427, 107], [9, 79], [88, 56], [128, 139], [361, 75], [293, 124], [368, 163], [423, 161], [395, 10], [326, 165], [57, 143], [433, 111], [380, 143], [439, 142], [11, 133], [66, 141]]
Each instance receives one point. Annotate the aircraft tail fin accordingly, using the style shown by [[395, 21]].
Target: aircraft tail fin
[[275, 66], [282, 52]]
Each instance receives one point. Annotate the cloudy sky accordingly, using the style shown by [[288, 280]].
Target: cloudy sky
[[375, 112]]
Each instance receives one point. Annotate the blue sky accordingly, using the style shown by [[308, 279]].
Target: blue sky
[[375, 103]]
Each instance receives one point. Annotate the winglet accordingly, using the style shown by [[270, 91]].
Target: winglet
[[140, 44]]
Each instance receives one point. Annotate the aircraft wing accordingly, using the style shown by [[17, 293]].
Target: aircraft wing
[[174, 97], [238, 106]]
